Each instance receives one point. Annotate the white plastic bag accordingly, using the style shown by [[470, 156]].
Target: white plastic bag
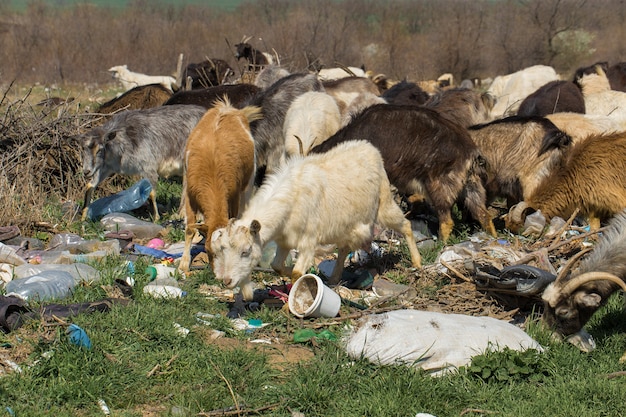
[[435, 342]]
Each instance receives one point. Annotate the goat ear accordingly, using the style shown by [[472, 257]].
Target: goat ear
[[590, 300], [255, 226], [216, 235]]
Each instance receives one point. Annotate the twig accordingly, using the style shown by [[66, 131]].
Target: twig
[[227, 412], [455, 271], [230, 388], [615, 374], [476, 410], [359, 314], [557, 245], [567, 224]]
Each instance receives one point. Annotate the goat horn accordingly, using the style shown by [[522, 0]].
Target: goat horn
[[568, 266], [245, 40], [299, 145], [515, 213], [576, 282]]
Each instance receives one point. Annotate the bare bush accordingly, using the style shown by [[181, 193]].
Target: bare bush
[[39, 163]]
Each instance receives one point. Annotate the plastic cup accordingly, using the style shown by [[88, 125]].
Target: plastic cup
[[310, 297]]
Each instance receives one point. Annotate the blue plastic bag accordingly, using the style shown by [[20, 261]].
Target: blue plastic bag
[[122, 202]]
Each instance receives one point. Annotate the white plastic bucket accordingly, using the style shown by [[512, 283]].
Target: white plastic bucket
[[309, 297]]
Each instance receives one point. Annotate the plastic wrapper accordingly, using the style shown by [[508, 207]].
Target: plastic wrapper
[[124, 201]]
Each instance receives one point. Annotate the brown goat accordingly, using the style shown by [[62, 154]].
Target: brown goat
[[591, 178], [462, 105], [219, 171], [142, 97], [519, 151], [426, 157]]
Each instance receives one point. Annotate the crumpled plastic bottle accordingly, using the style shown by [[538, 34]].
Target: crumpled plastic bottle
[[126, 200], [46, 285]]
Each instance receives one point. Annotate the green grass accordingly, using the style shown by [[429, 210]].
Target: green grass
[[140, 365]]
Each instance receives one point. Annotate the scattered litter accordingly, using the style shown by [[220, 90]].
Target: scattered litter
[[78, 336], [104, 407], [181, 330], [435, 342]]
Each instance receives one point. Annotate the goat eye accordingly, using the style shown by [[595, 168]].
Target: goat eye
[[246, 252]]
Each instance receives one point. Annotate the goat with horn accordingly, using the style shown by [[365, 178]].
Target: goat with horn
[[572, 299]]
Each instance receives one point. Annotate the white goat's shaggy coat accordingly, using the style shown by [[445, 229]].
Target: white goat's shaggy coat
[[581, 126], [331, 198], [312, 118], [511, 89], [219, 171], [326, 74], [130, 79], [601, 100]]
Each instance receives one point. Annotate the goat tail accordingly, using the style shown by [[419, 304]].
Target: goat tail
[[252, 113], [555, 139]]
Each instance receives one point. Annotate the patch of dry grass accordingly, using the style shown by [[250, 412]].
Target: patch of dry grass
[[40, 161]]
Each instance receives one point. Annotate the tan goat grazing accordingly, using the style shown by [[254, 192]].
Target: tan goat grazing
[[219, 171]]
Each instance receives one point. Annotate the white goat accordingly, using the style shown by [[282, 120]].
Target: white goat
[[312, 118], [580, 126], [327, 74], [511, 89], [600, 99], [331, 198], [130, 79]]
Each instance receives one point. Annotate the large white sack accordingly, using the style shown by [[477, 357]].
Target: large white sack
[[435, 342]]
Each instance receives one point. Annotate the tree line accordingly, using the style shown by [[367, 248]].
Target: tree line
[[399, 38]]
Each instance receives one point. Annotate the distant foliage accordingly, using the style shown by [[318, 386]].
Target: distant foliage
[[402, 39]]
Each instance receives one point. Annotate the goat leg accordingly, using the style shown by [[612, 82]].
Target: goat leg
[[87, 201]]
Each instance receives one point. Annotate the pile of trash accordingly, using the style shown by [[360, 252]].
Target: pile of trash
[[472, 298]]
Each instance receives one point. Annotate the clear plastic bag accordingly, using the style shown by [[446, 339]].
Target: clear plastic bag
[[126, 200]]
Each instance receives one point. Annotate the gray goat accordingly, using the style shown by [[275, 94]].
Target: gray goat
[[147, 142]]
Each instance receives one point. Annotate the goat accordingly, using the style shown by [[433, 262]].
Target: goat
[[328, 74], [256, 59], [518, 154], [426, 157], [406, 93], [269, 75], [130, 79], [600, 99], [219, 171], [509, 90], [238, 95], [275, 101], [572, 299], [553, 97], [207, 73], [463, 106], [142, 97], [616, 74], [311, 201], [591, 178], [147, 142], [345, 90], [358, 104], [580, 126], [312, 118]]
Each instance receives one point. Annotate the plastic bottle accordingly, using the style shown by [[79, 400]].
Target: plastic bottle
[[79, 271], [70, 258], [46, 285], [9, 255], [164, 291], [160, 271], [126, 200], [115, 222]]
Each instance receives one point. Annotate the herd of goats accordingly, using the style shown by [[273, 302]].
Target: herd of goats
[[309, 160]]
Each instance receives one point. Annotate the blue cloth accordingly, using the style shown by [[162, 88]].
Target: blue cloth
[[156, 253]]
